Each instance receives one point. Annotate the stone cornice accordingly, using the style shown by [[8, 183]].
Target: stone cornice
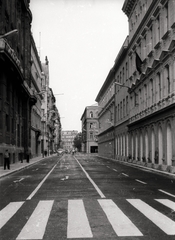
[[128, 6]]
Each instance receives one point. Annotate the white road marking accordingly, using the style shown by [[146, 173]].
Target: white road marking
[[65, 178], [35, 170], [163, 222], [78, 224], [90, 179], [166, 193], [121, 224], [40, 184], [18, 180], [167, 203], [35, 227], [140, 181], [125, 175], [7, 212], [114, 169]]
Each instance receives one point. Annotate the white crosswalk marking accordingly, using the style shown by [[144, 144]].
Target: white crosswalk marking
[[119, 221], [35, 227], [163, 222], [167, 203], [78, 224], [7, 212]]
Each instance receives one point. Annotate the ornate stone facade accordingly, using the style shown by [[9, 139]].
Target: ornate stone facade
[[16, 98], [144, 110]]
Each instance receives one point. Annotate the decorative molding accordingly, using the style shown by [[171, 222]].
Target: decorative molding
[[165, 36]]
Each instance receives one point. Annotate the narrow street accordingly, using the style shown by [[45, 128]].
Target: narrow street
[[86, 197]]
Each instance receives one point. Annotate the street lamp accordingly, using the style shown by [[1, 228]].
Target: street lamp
[[121, 85], [9, 33]]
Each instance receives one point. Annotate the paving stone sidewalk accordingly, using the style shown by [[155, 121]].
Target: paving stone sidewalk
[[18, 166]]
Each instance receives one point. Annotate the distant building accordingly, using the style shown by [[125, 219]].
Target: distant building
[[67, 138], [90, 128]]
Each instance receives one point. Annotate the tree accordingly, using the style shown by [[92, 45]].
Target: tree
[[78, 141]]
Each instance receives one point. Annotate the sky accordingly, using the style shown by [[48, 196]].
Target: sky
[[81, 39]]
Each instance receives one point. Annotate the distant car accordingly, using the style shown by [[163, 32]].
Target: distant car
[[60, 151]]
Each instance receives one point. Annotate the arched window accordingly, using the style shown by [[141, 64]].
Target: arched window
[[141, 147], [167, 78], [160, 139], [169, 145], [136, 146], [91, 114], [146, 145], [153, 145]]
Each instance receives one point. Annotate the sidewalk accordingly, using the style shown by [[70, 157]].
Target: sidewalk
[[14, 167]]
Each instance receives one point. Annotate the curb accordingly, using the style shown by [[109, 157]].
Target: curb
[[23, 167]]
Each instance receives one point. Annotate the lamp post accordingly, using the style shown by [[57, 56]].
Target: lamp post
[[121, 85], [9, 33]]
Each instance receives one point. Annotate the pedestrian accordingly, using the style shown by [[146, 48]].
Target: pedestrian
[[45, 152], [6, 160], [27, 155]]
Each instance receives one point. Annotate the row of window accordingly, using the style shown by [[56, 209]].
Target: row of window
[[122, 109], [154, 31], [155, 90]]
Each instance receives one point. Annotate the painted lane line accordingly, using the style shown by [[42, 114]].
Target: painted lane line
[[78, 224], [163, 222], [166, 193], [108, 167], [121, 224], [90, 179], [114, 169], [35, 170], [40, 184], [19, 180], [140, 181], [36, 225], [125, 175], [7, 212], [168, 203]]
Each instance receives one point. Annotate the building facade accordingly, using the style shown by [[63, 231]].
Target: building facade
[[51, 124], [90, 129], [24, 88], [16, 98], [152, 94], [36, 87], [67, 139], [144, 73]]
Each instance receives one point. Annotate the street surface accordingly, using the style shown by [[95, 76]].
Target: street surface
[[86, 197]]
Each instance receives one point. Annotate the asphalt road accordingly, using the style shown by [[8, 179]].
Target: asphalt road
[[86, 197]]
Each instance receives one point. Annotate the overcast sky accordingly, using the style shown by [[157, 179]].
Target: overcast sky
[[81, 39]]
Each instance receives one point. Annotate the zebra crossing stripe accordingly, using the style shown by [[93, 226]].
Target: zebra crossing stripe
[[78, 224], [35, 227], [7, 212], [162, 221], [167, 203], [121, 224]]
